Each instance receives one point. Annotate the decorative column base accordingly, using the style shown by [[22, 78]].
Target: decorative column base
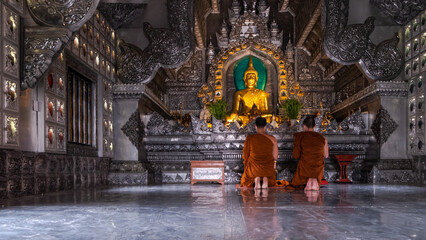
[[127, 173]]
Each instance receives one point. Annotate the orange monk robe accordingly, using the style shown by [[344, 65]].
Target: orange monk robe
[[309, 149], [258, 160]]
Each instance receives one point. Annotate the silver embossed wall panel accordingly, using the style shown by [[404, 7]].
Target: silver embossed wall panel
[[55, 113], [94, 44], [28, 173], [415, 75], [57, 19], [10, 72], [317, 90], [107, 118]]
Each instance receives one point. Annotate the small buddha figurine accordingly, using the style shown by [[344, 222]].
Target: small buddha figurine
[[205, 114], [254, 113], [273, 122], [250, 96]]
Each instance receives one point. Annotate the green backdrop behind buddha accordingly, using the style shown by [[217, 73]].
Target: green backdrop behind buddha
[[245, 99]]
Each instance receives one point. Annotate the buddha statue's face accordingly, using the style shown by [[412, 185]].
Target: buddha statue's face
[[251, 80]]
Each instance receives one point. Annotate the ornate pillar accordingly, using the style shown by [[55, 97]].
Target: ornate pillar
[[390, 131], [390, 120], [126, 100], [126, 169]]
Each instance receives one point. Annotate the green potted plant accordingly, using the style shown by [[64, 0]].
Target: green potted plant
[[218, 109], [291, 109]]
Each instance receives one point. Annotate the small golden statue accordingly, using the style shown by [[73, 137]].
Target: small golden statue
[[205, 114], [254, 113], [249, 97]]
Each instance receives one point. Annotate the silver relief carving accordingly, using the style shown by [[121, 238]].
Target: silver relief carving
[[157, 125], [71, 14], [133, 129], [348, 44], [232, 177], [11, 60], [385, 176], [353, 123], [383, 126], [402, 11], [382, 62], [191, 70], [372, 91], [58, 19], [188, 100], [119, 14], [41, 45], [199, 126], [167, 48], [252, 25]]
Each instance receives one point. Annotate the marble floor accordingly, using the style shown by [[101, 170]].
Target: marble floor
[[205, 211]]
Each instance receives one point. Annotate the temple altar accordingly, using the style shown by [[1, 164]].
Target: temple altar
[[169, 148]]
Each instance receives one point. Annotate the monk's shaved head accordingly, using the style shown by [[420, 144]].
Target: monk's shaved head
[[260, 122], [309, 122]]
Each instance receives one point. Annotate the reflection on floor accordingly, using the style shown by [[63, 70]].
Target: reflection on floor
[[205, 211]]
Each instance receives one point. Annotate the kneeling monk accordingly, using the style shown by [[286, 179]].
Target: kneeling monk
[[260, 153], [310, 148]]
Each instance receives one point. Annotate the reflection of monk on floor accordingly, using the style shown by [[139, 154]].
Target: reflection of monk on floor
[[259, 153], [310, 148], [260, 213], [312, 223]]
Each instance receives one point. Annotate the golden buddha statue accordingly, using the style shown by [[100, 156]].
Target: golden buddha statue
[[249, 97]]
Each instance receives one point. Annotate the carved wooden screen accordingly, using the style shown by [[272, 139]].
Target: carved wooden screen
[[79, 108]]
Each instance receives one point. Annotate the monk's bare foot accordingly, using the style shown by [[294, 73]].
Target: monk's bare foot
[[265, 182], [257, 183], [312, 185], [309, 185], [315, 185]]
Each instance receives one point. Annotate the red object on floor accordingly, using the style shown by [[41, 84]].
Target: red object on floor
[[324, 182], [344, 160]]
